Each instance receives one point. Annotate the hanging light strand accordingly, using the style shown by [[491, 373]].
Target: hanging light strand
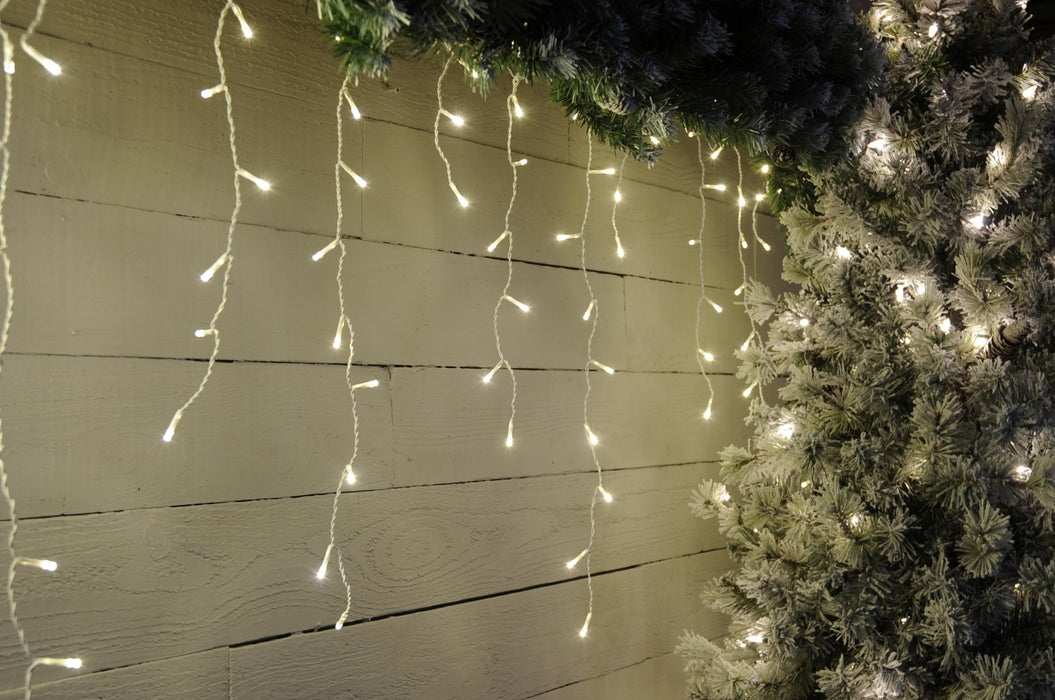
[[702, 355], [14, 560], [507, 233], [456, 120], [226, 259], [592, 315], [741, 202], [616, 199], [344, 324]]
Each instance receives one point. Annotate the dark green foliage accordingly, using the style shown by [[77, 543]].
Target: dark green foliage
[[781, 77], [893, 517]]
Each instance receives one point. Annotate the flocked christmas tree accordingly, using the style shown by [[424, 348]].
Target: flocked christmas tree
[[892, 517]]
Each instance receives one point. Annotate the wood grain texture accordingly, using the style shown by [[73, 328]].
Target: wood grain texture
[[451, 427], [203, 676], [658, 678], [510, 646], [143, 585]]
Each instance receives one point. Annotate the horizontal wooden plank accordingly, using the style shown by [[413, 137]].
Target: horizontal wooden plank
[[510, 646], [84, 434], [125, 282], [142, 585], [452, 427], [204, 676], [658, 678]]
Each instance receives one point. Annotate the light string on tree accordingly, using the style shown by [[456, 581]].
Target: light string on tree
[[14, 559], [702, 355], [617, 198], [741, 202], [344, 323], [514, 110], [454, 119], [226, 259], [592, 315]]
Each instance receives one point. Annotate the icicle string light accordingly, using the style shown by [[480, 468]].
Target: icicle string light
[[616, 199], [740, 204], [344, 323], [592, 314], [512, 107], [14, 559], [226, 259], [458, 121], [701, 354]]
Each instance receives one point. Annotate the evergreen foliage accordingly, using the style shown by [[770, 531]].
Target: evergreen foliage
[[892, 518], [780, 77]]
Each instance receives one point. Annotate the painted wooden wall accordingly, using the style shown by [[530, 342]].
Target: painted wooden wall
[[187, 568]]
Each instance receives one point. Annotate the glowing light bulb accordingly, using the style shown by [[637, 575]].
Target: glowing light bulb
[[739, 290], [247, 31], [719, 187], [258, 181], [340, 621], [707, 412], [977, 221], [321, 252], [709, 357], [755, 638], [693, 241], [933, 31], [879, 144], [509, 434], [48, 65], [462, 201], [804, 322], [691, 134], [747, 392], [605, 368], [654, 140], [716, 152], [574, 116], [202, 332], [945, 325], [601, 171], [715, 306], [980, 341], [747, 342], [208, 274], [590, 436], [321, 573], [589, 310], [586, 625], [604, 494], [903, 620], [843, 252], [42, 564], [518, 111], [743, 242], [741, 202], [209, 92], [476, 74], [71, 663], [786, 430], [765, 246], [805, 484], [490, 375], [349, 476], [899, 293], [519, 304], [619, 249], [618, 196], [1021, 473], [354, 175], [561, 237], [494, 244], [572, 563], [455, 119], [759, 197], [522, 161], [1030, 91], [723, 495], [372, 384], [765, 169], [338, 337], [855, 520], [356, 114], [173, 424]]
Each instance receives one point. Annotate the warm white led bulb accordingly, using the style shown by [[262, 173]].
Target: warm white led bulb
[[509, 433], [590, 436], [258, 181], [458, 195], [455, 119], [349, 476], [356, 114], [605, 368], [786, 430], [42, 564], [173, 424], [572, 563], [49, 65], [502, 237], [586, 625], [707, 412], [945, 325], [765, 169], [321, 573], [518, 111], [739, 290], [654, 140], [879, 144], [372, 384], [693, 241], [589, 310], [804, 322], [1030, 91], [519, 304], [843, 252], [716, 152], [759, 197], [714, 305], [741, 202], [805, 484], [522, 161], [490, 375], [601, 171], [765, 246], [71, 663], [855, 519], [620, 251], [748, 390], [561, 237], [709, 357], [977, 221], [321, 252], [719, 187], [747, 341], [754, 638], [933, 31], [604, 494], [202, 332], [1021, 473], [340, 621], [209, 92], [208, 274], [354, 175], [618, 196], [338, 337], [247, 31]]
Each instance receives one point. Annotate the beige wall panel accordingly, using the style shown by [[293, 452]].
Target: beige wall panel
[[203, 676], [84, 434], [141, 585], [510, 646], [452, 427], [658, 678]]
